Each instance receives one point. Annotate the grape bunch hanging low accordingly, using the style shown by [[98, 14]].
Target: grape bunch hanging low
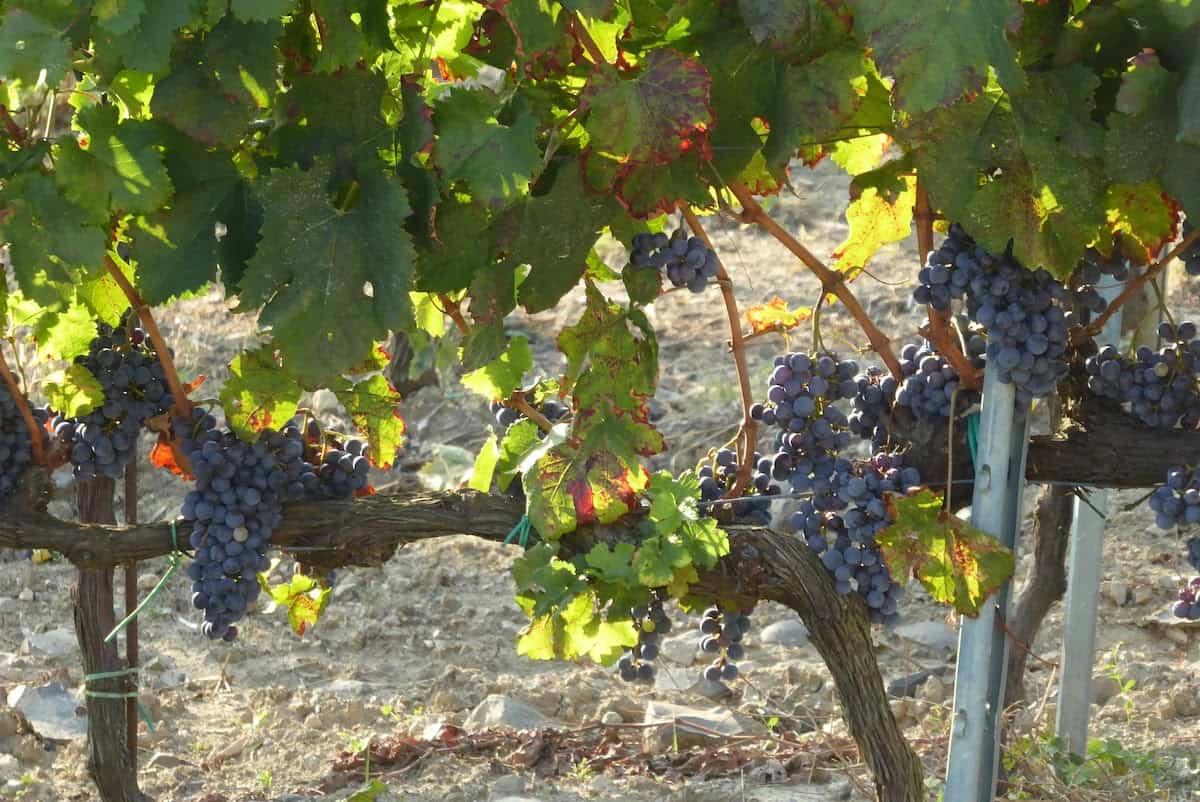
[[1094, 270], [16, 447], [721, 634], [103, 441], [651, 623], [687, 261], [1176, 505], [1158, 387]]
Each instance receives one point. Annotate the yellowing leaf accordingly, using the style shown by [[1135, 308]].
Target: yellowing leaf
[[875, 220], [775, 315], [305, 598], [1145, 215], [956, 564]]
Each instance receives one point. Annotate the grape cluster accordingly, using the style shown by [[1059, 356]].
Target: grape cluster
[[1188, 606], [840, 525], [16, 450], [1158, 387], [687, 260], [931, 382], [1093, 269], [1022, 310], [651, 622], [342, 468], [1176, 505], [721, 633], [801, 402], [872, 404], [1191, 256], [104, 441], [717, 478]]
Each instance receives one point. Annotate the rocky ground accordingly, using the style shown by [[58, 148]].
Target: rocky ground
[[418, 656]]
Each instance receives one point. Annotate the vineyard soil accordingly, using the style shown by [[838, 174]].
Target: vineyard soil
[[425, 639]]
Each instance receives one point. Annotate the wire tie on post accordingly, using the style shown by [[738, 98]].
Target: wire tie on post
[[520, 532], [125, 672]]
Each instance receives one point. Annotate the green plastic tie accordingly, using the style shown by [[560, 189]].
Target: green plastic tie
[[175, 559], [973, 437], [125, 672], [520, 532]]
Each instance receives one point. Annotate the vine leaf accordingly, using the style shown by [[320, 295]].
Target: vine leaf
[[304, 597], [260, 10], [500, 378], [955, 563], [875, 219], [259, 393], [73, 391], [147, 47], [29, 44], [343, 42], [118, 16], [334, 116], [374, 406], [553, 234], [799, 29], [483, 472], [450, 260], [518, 444], [574, 484], [51, 242], [775, 315], [1146, 217], [120, 169], [649, 117], [496, 161], [331, 282], [938, 51], [674, 515], [66, 334]]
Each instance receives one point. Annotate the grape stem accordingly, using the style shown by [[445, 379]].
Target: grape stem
[[831, 282], [748, 432], [1132, 288], [521, 404], [585, 39], [182, 404], [452, 309], [923, 217], [35, 431], [10, 125]]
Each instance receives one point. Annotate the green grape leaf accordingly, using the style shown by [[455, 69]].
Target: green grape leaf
[[648, 190], [642, 284], [553, 234], [591, 8], [955, 563], [658, 558], [1189, 106], [65, 335], [331, 282], [649, 117], [575, 484], [499, 379], [801, 29], [814, 101], [101, 294], [518, 445], [374, 407], [304, 597], [176, 248], [51, 242], [612, 564], [73, 391], [546, 579], [674, 514], [938, 51], [1141, 130], [587, 634], [620, 355], [30, 44], [1139, 214], [258, 394], [334, 116], [260, 10], [451, 261], [120, 169], [541, 36], [118, 16], [496, 161], [146, 47], [875, 220], [343, 41], [483, 472]]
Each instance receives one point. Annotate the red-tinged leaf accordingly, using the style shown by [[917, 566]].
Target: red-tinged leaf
[[569, 486], [374, 406], [775, 315], [166, 455], [259, 393], [956, 563], [647, 118], [194, 384], [1145, 216], [304, 597], [875, 220], [369, 490]]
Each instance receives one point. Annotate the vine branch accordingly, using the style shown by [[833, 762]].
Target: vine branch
[[585, 39], [521, 404], [35, 431], [183, 404], [748, 432], [1132, 288], [831, 282], [452, 309]]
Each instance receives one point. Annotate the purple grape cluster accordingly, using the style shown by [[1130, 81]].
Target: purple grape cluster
[[16, 447], [872, 405], [840, 525], [719, 476], [721, 634], [1092, 270], [1188, 606], [1191, 256], [1158, 387], [931, 382], [801, 402], [687, 261], [135, 388], [1022, 310], [1176, 505], [651, 622]]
